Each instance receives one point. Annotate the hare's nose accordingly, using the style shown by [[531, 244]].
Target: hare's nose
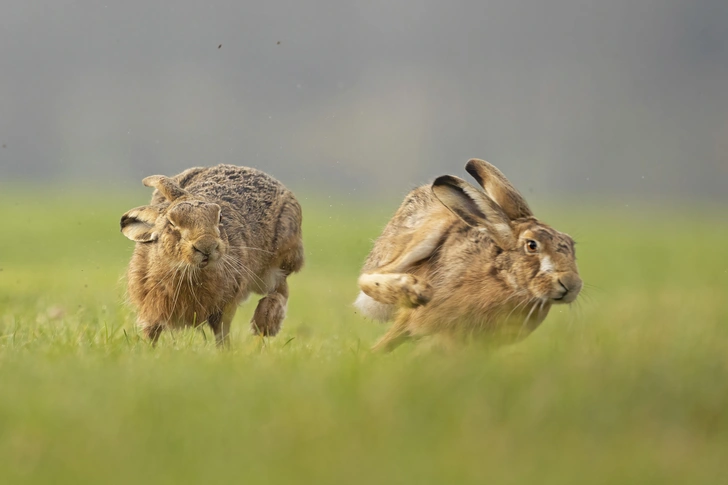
[[566, 289], [205, 246], [571, 283]]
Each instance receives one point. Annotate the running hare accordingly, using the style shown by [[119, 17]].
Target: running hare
[[458, 261], [210, 237]]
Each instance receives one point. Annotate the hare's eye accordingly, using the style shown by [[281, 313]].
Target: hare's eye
[[531, 246], [171, 224], [219, 221]]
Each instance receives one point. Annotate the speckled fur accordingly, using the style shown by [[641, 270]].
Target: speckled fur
[[247, 221], [454, 261]]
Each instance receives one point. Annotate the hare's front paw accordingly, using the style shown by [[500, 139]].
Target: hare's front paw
[[416, 292]]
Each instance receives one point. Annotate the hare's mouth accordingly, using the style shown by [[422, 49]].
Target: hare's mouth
[[566, 295], [200, 261], [208, 260], [204, 257]]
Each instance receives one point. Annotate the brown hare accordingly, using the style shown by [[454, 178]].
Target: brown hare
[[460, 262], [209, 238]]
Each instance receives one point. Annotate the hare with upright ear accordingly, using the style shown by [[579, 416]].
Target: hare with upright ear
[[458, 261], [209, 238]]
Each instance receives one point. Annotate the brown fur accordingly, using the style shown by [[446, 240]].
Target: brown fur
[[455, 260], [210, 237]]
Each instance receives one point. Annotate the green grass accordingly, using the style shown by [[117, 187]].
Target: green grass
[[628, 386]]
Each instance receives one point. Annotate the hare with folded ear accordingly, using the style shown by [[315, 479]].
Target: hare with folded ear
[[209, 238], [458, 261]]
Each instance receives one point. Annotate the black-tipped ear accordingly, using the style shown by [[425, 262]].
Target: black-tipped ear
[[138, 224], [499, 188], [453, 193], [472, 206], [166, 186]]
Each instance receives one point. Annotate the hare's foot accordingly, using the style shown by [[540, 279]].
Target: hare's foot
[[269, 315], [396, 288], [151, 331], [220, 324], [270, 312]]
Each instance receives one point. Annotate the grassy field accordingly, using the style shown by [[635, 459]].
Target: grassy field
[[630, 385]]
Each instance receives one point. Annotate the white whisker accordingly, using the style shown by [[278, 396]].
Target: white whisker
[[192, 282], [258, 281], [522, 303], [527, 317], [177, 292], [257, 249], [169, 274]]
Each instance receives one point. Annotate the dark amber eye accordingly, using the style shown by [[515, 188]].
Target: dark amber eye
[[531, 246]]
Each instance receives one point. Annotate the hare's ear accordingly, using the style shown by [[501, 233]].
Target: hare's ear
[[499, 189], [166, 186], [138, 224], [473, 206]]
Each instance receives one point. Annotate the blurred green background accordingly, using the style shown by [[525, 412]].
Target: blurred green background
[[627, 385]]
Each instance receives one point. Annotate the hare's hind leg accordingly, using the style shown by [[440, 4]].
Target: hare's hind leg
[[391, 283], [271, 311], [396, 288]]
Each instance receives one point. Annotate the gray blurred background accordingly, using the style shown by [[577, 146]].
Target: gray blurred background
[[624, 98]]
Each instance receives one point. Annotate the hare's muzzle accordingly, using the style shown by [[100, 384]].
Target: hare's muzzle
[[206, 250], [568, 287]]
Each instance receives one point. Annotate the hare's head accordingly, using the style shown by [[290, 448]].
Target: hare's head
[[545, 262], [541, 260], [182, 230]]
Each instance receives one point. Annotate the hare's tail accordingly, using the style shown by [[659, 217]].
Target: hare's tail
[[371, 308]]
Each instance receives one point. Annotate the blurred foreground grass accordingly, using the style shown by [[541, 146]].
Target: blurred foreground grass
[[628, 386]]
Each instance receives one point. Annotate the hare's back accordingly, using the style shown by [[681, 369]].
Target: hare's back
[[418, 217], [229, 180], [246, 189]]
